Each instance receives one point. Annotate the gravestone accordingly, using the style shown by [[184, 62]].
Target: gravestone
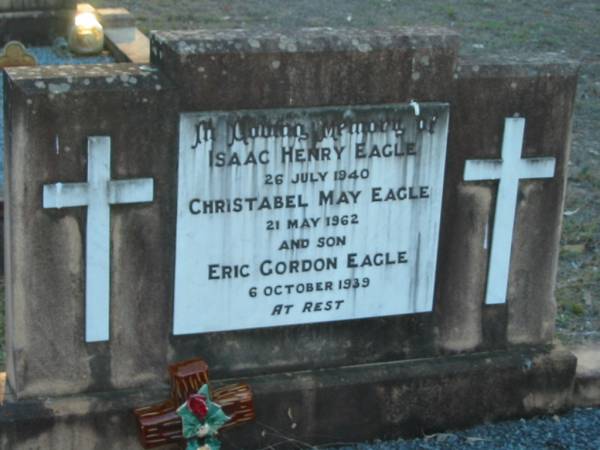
[[26, 5], [35, 21], [360, 224]]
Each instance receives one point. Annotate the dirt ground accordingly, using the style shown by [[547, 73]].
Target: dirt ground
[[510, 27]]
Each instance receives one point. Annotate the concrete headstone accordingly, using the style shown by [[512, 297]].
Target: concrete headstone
[[328, 214], [36, 22]]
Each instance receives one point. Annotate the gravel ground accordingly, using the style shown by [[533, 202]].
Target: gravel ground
[[578, 430]]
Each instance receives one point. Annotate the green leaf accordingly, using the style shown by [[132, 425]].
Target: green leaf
[[192, 444], [190, 422], [205, 392], [214, 443], [217, 418], [185, 413]]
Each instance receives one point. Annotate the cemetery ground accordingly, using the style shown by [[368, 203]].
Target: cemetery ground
[[506, 29]]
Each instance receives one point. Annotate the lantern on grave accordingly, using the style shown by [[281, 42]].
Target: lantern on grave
[[87, 36]]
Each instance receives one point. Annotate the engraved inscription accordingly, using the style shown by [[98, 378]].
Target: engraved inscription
[[307, 215]]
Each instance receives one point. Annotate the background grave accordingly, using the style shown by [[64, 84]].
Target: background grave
[[43, 27]]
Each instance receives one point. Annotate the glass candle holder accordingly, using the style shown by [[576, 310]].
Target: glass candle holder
[[87, 36]]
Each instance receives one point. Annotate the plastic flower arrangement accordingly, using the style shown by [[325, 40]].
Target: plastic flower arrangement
[[201, 420]]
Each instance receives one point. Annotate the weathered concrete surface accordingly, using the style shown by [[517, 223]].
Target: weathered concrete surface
[[139, 108], [35, 21], [115, 18], [542, 91], [124, 41], [339, 405], [98, 421], [52, 112], [234, 69], [128, 44], [587, 378]]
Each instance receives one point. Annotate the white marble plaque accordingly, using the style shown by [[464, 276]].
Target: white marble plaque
[[307, 215]]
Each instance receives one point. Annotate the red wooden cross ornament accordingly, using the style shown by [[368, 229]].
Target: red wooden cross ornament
[[160, 425]]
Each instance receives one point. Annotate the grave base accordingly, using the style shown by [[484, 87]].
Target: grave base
[[587, 379], [34, 27], [346, 404]]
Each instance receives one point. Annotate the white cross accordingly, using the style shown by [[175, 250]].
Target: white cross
[[97, 194], [508, 170]]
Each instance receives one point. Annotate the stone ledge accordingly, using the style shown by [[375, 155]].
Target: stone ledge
[[128, 44], [306, 67], [125, 42], [319, 39], [115, 18], [75, 78], [587, 378], [546, 64], [384, 400]]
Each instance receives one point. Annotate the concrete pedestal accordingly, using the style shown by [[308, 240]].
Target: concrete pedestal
[[345, 404]]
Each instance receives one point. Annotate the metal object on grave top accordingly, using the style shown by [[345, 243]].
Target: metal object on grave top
[[14, 54]]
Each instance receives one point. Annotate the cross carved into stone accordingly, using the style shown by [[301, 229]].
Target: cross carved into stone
[[159, 425], [98, 194], [508, 171]]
